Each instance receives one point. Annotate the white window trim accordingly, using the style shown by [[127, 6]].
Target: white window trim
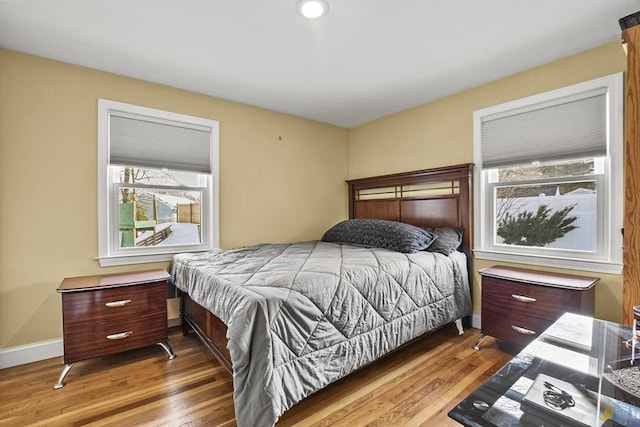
[[108, 254], [611, 259]]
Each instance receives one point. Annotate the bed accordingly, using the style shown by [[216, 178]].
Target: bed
[[288, 319]]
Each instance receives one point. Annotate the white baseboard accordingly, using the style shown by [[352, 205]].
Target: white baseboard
[[24, 354], [36, 352], [475, 321]]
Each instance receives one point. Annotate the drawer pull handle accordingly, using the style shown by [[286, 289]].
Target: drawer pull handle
[[120, 303], [119, 336], [523, 331], [522, 298]]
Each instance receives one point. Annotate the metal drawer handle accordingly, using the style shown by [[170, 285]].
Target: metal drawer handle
[[119, 336], [523, 331], [522, 298], [120, 303]]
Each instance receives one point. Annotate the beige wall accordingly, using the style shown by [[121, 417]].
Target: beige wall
[[441, 133], [281, 179]]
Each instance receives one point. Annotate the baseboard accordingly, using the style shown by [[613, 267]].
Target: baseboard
[[24, 354], [475, 321], [43, 350]]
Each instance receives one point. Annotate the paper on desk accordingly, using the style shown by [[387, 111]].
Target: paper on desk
[[571, 330], [564, 357]]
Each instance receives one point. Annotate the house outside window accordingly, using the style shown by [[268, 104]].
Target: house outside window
[[548, 185], [157, 184]]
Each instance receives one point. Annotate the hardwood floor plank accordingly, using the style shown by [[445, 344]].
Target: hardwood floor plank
[[416, 385], [373, 381], [433, 407]]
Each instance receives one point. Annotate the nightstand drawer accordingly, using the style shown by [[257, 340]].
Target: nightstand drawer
[[528, 300], [97, 339], [513, 326], [86, 307]]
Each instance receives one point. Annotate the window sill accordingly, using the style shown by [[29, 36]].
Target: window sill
[[110, 261], [564, 263]]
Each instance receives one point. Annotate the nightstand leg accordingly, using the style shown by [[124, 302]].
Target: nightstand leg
[[64, 372], [476, 346], [168, 349]]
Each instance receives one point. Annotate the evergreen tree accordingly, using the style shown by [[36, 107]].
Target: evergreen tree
[[536, 229]]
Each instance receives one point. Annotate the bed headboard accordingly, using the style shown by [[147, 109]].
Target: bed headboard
[[439, 197]]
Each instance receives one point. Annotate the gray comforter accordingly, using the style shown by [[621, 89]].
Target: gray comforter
[[303, 315]]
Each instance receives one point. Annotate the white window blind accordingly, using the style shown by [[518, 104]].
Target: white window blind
[[136, 140], [572, 128]]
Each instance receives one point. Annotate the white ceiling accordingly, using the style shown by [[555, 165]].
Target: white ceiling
[[364, 60]]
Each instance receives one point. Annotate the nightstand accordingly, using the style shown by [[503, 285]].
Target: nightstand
[[518, 304], [108, 314]]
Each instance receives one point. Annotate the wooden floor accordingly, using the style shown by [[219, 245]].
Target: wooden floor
[[417, 385]]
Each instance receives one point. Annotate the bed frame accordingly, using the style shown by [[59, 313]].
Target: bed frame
[[439, 197]]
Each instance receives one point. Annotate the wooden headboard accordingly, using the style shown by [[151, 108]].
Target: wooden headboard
[[439, 197]]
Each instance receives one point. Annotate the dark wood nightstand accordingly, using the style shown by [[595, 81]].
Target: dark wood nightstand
[[108, 314], [518, 304]]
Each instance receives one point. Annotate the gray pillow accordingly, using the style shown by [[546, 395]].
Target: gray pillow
[[448, 239], [377, 233]]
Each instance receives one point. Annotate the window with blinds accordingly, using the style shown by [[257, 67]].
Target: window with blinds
[[157, 183], [549, 189]]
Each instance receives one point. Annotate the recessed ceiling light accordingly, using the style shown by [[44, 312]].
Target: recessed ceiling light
[[313, 9]]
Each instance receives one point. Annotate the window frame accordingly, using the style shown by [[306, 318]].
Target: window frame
[[109, 251], [608, 255]]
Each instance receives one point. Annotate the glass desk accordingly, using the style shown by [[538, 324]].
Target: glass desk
[[579, 372]]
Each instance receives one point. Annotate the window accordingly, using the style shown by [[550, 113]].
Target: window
[[157, 184], [549, 178]]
